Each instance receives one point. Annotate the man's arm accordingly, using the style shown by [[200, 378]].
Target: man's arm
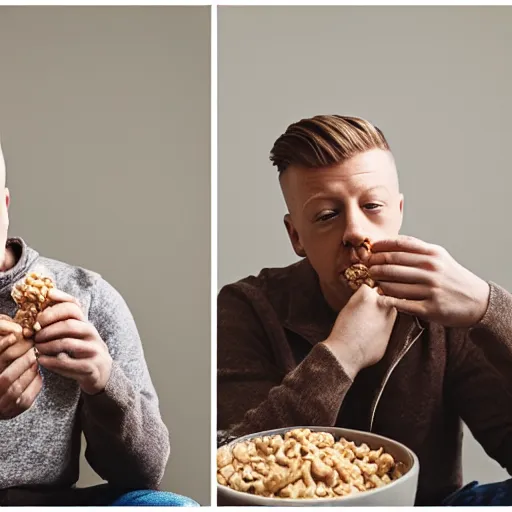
[[127, 441], [254, 394], [482, 396], [493, 334]]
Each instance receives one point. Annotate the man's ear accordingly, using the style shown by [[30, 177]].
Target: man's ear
[[401, 211], [294, 236]]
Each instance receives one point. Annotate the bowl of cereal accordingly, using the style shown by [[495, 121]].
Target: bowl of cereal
[[316, 466]]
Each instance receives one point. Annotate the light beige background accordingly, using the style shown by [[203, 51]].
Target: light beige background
[[105, 124], [437, 80]]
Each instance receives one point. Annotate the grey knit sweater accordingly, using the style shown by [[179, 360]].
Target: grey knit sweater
[[127, 442]]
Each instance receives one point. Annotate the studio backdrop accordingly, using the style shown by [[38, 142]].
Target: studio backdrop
[[105, 125], [436, 80]]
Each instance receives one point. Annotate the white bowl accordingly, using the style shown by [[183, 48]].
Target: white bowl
[[400, 492]]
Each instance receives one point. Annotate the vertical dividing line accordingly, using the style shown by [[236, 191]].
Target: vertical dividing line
[[213, 252]]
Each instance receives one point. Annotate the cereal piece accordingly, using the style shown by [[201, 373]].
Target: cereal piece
[[294, 451], [224, 456], [241, 452], [376, 481], [362, 450], [263, 447], [398, 471], [321, 490], [236, 482], [319, 469], [321, 439], [375, 454], [367, 468], [248, 474], [280, 478], [385, 463], [294, 491], [306, 474], [367, 245], [261, 468], [227, 471]]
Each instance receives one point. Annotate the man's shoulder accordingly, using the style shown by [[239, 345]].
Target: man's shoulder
[[67, 275], [268, 282], [82, 283], [273, 293]]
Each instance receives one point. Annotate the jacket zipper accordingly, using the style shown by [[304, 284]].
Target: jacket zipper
[[388, 375]]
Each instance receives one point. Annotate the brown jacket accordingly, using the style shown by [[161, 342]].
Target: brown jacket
[[273, 372]]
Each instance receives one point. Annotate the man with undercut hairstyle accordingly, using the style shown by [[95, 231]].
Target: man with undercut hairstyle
[[411, 358], [88, 376]]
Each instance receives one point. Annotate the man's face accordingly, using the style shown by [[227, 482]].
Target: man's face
[[332, 210]]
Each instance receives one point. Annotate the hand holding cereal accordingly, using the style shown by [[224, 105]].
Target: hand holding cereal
[[71, 346]]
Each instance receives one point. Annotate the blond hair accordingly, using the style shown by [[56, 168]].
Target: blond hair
[[325, 140]]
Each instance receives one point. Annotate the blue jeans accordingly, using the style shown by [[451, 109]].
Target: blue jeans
[[103, 495], [153, 499], [497, 494]]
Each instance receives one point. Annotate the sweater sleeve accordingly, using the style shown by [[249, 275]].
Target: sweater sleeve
[[127, 441], [254, 393], [480, 382], [482, 397], [493, 334]]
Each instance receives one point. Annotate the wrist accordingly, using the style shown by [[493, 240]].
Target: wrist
[[97, 385], [346, 358], [482, 296]]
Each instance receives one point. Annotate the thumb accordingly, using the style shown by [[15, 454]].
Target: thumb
[[411, 307], [9, 326]]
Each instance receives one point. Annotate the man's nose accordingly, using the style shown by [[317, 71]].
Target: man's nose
[[355, 230]]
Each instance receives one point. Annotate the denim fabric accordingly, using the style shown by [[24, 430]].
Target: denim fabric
[[498, 494], [153, 499]]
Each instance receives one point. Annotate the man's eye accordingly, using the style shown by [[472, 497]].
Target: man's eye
[[324, 217], [372, 206]]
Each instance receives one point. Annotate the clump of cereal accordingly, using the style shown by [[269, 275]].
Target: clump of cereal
[[304, 464], [357, 274], [31, 296]]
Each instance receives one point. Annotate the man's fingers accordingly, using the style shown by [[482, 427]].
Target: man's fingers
[[70, 328], [65, 365], [405, 291], [73, 347], [16, 349], [406, 259], [400, 274], [12, 398], [28, 397], [9, 326], [7, 341], [15, 370], [59, 312], [410, 307], [59, 296], [404, 244]]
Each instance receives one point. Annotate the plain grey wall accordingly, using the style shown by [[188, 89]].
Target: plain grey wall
[[105, 124], [436, 80]]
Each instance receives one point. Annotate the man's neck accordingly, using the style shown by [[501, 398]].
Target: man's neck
[[334, 299], [8, 261]]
